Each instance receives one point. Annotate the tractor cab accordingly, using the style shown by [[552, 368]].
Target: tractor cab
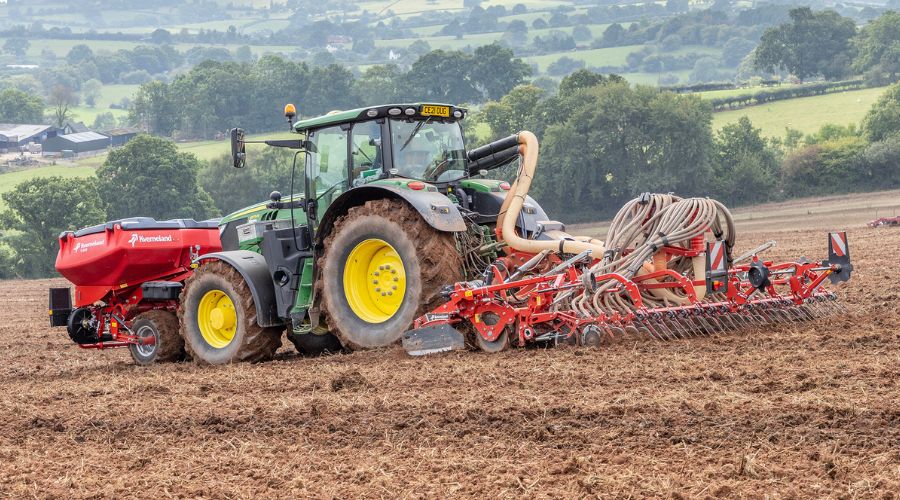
[[419, 142]]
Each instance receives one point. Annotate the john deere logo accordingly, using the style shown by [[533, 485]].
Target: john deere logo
[[136, 238]]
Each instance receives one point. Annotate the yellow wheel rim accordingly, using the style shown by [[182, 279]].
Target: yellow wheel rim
[[374, 280], [217, 318]]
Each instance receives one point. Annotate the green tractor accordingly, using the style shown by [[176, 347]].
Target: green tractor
[[390, 208]]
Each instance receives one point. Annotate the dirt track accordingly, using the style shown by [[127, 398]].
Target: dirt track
[[803, 411]]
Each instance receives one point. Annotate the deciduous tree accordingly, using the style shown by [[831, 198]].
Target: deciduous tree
[[38, 210], [16, 46], [20, 107], [812, 43], [150, 177]]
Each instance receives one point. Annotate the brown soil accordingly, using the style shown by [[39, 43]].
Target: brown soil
[[807, 410]]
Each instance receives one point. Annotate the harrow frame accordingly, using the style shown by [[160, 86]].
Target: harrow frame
[[759, 292]]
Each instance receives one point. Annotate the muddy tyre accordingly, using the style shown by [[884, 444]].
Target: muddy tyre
[[383, 266], [163, 327], [218, 318]]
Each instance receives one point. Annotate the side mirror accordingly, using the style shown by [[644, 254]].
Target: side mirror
[[238, 148]]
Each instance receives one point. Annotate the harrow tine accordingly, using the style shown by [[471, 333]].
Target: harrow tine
[[701, 323], [814, 308], [685, 333], [775, 314], [709, 326], [667, 332], [757, 319], [682, 331], [719, 326], [670, 329], [738, 319], [732, 321], [666, 323], [692, 324], [765, 317], [842, 307], [653, 333], [811, 311], [803, 313]]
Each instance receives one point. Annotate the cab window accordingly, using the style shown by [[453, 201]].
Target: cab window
[[329, 165], [365, 149]]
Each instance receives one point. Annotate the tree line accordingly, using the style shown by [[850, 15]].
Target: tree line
[[603, 141], [215, 96]]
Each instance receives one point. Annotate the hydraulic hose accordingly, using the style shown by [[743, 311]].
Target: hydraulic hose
[[638, 232]]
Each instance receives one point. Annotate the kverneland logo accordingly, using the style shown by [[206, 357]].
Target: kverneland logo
[[136, 238], [82, 247]]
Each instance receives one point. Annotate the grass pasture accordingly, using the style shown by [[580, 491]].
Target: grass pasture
[[9, 180], [806, 114], [612, 56]]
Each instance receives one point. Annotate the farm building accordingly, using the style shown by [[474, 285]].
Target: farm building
[[80, 143], [13, 136], [75, 128], [119, 136]]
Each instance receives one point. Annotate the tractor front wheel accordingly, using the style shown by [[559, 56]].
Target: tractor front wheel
[[383, 265], [218, 318]]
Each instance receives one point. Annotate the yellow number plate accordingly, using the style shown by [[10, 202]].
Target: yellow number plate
[[436, 111]]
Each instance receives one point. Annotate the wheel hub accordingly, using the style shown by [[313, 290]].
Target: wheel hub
[[217, 318], [374, 280]]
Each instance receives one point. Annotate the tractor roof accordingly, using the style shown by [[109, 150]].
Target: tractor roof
[[416, 110]]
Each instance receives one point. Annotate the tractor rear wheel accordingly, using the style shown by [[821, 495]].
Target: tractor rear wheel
[[218, 318], [162, 326], [383, 266]]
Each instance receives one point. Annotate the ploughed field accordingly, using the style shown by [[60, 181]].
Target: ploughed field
[[806, 410]]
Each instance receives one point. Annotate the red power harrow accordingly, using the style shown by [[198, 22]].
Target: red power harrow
[[884, 221], [550, 307]]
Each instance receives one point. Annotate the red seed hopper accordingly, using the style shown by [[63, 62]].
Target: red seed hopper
[[128, 275], [111, 258]]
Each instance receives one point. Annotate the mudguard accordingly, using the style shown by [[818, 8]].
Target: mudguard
[[255, 271], [436, 209], [490, 203]]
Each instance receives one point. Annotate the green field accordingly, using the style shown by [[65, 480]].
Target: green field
[[428, 34], [8, 181], [652, 79], [613, 56], [110, 94], [806, 114], [87, 115]]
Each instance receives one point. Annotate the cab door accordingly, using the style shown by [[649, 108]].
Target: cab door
[[328, 168]]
